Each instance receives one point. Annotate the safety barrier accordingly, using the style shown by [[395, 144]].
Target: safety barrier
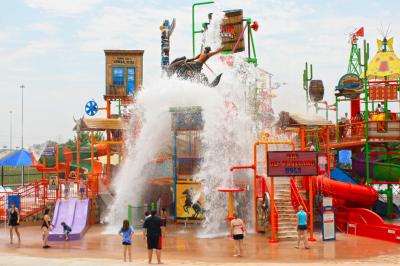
[[33, 196], [364, 222], [275, 210], [295, 196]]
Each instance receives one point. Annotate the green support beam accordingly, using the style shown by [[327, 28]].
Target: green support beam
[[194, 31], [306, 79], [364, 64]]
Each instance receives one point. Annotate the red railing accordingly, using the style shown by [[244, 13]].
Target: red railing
[[3, 206], [33, 196], [275, 209], [295, 196], [32, 199], [63, 193]]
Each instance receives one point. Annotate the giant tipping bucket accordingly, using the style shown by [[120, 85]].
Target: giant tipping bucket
[[231, 28]]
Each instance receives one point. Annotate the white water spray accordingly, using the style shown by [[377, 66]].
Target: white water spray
[[226, 139]]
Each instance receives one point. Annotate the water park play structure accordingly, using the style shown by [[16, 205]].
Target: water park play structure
[[175, 163]]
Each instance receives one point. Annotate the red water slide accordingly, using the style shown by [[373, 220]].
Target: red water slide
[[352, 217]]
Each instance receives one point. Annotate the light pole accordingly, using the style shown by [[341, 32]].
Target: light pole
[[22, 129], [22, 117], [10, 130]]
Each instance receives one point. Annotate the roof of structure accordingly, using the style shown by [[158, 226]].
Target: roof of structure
[[101, 124], [123, 51], [287, 119]]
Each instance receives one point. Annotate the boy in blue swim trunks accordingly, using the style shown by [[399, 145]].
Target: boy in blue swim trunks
[[67, 230]]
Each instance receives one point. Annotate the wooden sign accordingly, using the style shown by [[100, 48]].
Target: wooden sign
[[383, 92], [292, 163], [125, 60]]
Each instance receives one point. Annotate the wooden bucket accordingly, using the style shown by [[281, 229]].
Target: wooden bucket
[[231, 27], [316, 90]]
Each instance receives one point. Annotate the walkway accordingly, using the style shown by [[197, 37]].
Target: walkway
[[183, 247]]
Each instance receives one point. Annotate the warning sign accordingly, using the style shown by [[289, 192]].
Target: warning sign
[[328, 223], [53, 182]]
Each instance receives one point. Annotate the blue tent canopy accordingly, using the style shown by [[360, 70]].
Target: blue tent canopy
[[18, 158]]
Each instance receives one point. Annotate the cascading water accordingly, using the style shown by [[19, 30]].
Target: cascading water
[[226, 138]]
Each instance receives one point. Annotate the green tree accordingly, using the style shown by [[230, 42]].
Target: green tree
[[84, 139]]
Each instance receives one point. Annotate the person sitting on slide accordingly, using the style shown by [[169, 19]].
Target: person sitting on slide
[[196, 63]]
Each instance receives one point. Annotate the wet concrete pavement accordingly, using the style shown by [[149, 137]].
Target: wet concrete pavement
[[181, 244]]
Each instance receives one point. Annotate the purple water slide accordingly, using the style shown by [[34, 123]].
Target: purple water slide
[[74, 213], [359, 165]]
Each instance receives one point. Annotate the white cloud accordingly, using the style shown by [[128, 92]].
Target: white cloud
[[63, 7], [9, 34], [44, 27], [33, 48]]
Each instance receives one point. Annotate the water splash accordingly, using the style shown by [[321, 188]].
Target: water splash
[[226, 139]]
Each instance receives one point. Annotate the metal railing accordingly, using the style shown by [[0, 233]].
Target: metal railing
[[295, 196], [33, 196]]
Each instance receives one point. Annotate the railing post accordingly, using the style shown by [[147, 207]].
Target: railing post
[[337, 119], [328, 152], [302, 139], [92, 220], [311, 210], [273, 224], [255, 185], [130, 214], [44, 191]]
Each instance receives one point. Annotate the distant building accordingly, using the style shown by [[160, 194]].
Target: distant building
[[265, 113], [124, 74]]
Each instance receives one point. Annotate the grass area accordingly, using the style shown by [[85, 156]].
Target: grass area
[[11, 176]]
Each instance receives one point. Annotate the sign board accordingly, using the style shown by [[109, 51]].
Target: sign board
[[328, 223], [124, 60], [292, 163], [49, 151], [53, 182]]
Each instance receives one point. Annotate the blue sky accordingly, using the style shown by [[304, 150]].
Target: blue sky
[[55, 48]]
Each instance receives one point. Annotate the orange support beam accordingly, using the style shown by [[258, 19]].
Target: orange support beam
[[92, 220], [108, 109], [108, 166], [311, 204], [302, 139], [57, 159], [44, 169], [230, 206], [328, 152], [273, 225], [44, 180], [78, 157], [59, 191]]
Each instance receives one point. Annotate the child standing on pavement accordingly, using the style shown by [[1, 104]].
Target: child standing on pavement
[[126, 233]]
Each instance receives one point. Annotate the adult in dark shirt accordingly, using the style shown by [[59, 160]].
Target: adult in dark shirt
[[153, 229]]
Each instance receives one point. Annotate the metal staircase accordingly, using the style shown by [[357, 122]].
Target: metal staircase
[[33, 198], [287, 215]]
